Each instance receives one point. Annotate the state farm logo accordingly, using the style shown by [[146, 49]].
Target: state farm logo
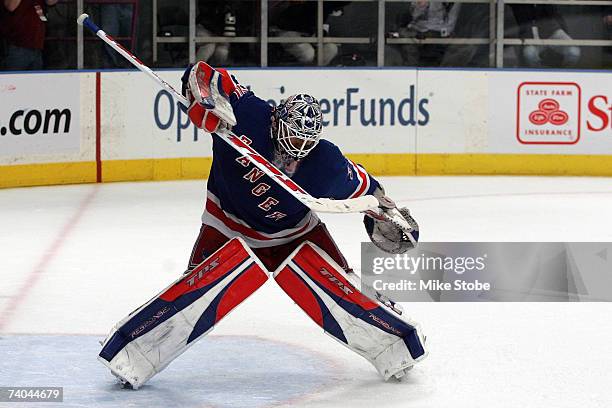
[[548, 113]]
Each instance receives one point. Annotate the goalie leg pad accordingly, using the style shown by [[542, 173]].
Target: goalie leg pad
[[149, 338], [322, 289]]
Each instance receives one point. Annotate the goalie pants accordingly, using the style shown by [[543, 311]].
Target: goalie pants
[[210, 239]]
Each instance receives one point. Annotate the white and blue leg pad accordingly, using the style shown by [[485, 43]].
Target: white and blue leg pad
[[149, 338], [391, 342]]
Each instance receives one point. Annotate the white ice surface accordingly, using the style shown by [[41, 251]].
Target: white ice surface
[[75, 259]]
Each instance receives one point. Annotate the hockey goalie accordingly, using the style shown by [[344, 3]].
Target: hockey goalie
[[252, 228]]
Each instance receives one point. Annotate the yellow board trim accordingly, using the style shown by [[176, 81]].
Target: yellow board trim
[[44, 174], [156, 169], [378, 164], [386, 164], [513, 164]]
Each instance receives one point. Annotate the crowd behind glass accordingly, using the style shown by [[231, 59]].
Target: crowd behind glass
[[41, 34]]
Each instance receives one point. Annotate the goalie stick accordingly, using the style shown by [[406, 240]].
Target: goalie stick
[[368, 203]]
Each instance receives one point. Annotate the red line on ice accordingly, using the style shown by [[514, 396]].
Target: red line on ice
[[34, 276]]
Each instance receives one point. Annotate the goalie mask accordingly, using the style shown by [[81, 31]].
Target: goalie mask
[[296, 126]]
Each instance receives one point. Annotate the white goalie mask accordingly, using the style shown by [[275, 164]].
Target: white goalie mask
[[296, 128]]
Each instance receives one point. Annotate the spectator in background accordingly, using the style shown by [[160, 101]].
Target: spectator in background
[[473, 22], [22, 25], [607, 21], [540, 21], [118, 21], [216, 18], [299, 19], [426, 19]]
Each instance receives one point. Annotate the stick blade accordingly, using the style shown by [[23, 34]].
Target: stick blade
[[353, 205]]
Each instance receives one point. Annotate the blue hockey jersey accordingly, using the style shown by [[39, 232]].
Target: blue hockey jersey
[[243, 201]]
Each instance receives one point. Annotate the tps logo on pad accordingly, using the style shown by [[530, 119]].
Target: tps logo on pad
[[548, 113]]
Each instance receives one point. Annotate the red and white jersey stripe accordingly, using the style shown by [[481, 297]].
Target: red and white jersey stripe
[[364, 180], [232, 226]]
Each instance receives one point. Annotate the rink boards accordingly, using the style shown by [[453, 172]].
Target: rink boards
[[58, 128]]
